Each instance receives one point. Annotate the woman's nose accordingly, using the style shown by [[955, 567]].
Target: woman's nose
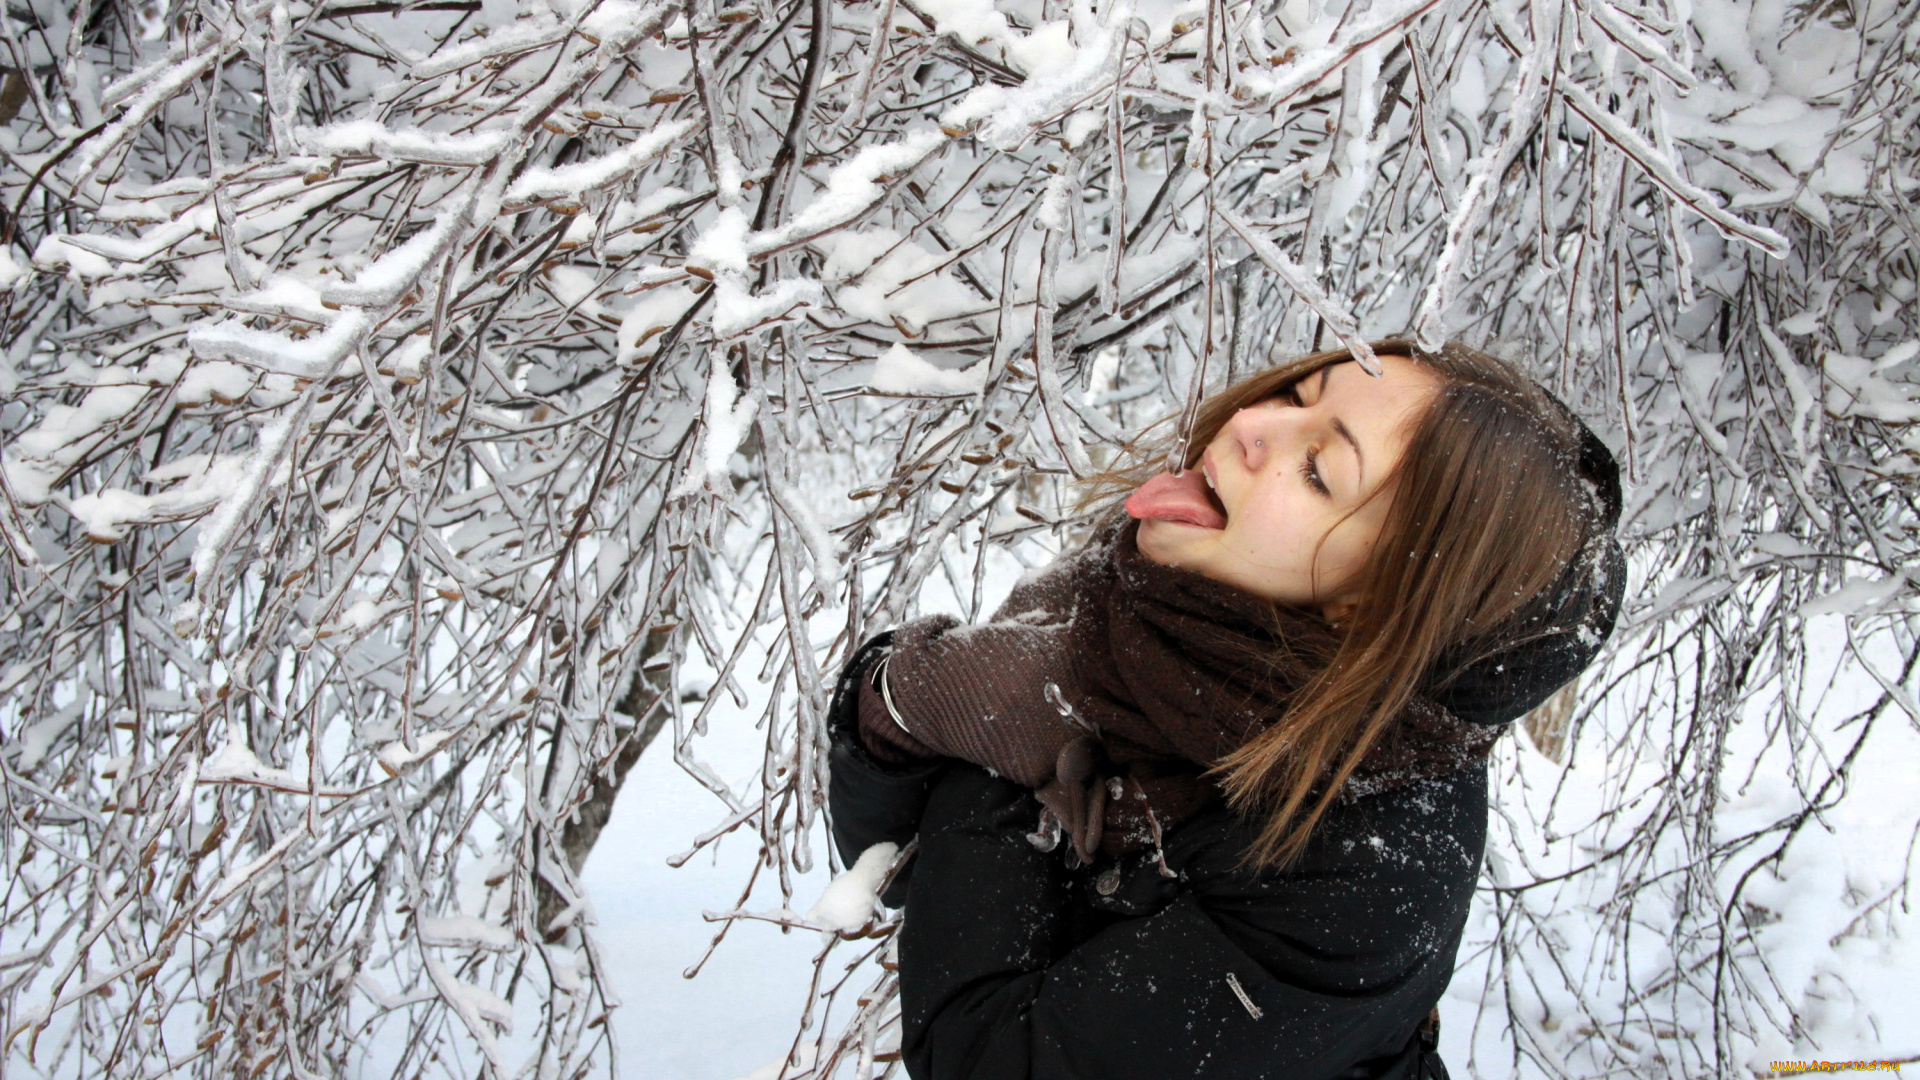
[[1259, 431]]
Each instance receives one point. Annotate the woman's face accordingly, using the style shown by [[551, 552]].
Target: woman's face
[[1287, 500]]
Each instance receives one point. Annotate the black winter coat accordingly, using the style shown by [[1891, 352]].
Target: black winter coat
[[1014, 967]]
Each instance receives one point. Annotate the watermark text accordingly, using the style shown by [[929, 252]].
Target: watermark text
[[1784, 1067]]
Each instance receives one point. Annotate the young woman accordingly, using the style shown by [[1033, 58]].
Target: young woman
[[1256, 705]]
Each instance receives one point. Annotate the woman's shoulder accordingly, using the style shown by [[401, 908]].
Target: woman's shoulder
[[1434, 826]]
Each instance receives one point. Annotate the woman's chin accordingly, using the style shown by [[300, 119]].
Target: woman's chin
[[1171, 542]]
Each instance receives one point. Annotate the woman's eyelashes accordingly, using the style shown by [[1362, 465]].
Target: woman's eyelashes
[[1310, 471]]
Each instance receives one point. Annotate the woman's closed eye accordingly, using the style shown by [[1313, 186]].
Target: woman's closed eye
[[1310, 471]]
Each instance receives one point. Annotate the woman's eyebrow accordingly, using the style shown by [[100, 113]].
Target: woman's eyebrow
[[1360, 459]]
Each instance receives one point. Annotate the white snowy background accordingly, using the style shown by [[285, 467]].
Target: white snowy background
[[447, 447]]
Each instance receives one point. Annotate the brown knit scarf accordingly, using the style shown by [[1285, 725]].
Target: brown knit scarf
[[1110, 683]]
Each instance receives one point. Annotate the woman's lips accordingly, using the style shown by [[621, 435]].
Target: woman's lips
[[1187, 498]]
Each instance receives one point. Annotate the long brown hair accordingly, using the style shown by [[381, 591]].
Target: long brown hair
[[1487, 512]]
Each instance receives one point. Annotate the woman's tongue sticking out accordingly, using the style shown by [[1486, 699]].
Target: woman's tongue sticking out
[[1184, 498]]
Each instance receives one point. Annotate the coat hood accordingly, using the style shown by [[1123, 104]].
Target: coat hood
[[1562, 634]]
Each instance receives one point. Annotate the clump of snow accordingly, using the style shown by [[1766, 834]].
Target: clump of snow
[[646, 323], [30, 482], [465, 932], [728, 418], [393, 273], [214, 380], [1858, 387], [37, 457], [581, 176], [737, 310], [530, 30], [11, 272], [54, 253], [1857, 596], [888, 278], [611, 18], [850, 902], [723, 246], [105, 513], [38, 737], [1063, 79], [854, 187], [396, 758], [475, 1002], [293, 294], [237, 764], [972, 21], [580, 230], [899, 371], [370, 138]]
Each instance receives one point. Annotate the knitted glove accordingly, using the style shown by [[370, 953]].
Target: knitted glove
[[979, 693]]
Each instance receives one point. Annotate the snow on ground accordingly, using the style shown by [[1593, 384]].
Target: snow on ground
[[741, 1012]]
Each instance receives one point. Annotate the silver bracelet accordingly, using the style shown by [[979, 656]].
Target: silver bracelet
[[886, 693]]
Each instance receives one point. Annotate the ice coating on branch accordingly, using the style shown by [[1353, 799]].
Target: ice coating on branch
[[310, 357], [264, 466], [802, 1060], [823, 553]]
